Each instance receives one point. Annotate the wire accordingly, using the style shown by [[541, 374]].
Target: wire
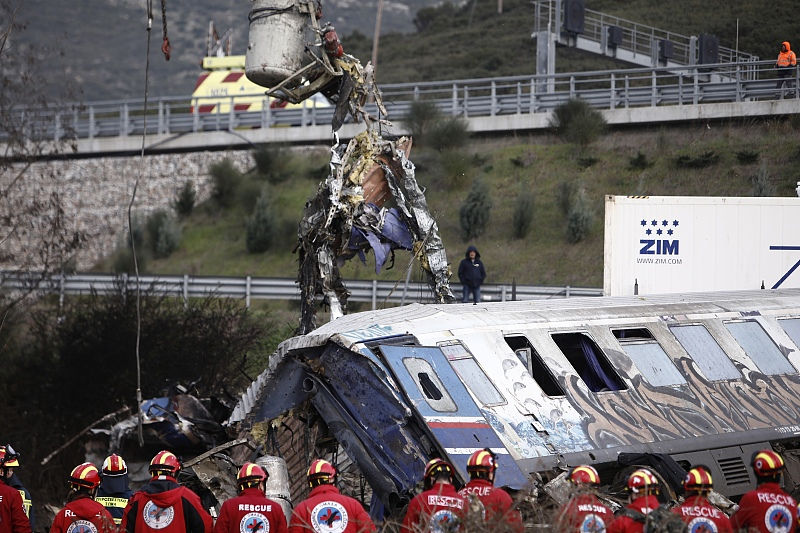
[[139, 417]]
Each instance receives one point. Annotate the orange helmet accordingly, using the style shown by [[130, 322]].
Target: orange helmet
[[114, 465], [85, 476], [482, 460], [767, 463], [642, 480], [251, 475], [435, 467], [165, 463], [698, 480], [321, 472], [584, 475]]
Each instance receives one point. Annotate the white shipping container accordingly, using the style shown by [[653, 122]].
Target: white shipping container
[[673, 244]]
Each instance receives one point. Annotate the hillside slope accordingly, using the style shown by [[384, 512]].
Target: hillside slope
[[213, 242]]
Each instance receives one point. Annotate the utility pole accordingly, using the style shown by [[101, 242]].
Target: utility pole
[[499, 7], [377, 36]]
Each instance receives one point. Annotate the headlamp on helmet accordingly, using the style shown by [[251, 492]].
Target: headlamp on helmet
[[767, 463]]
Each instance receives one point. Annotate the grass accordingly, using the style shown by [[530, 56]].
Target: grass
[[213, 240]]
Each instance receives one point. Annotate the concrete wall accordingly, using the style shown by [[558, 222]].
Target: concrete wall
[[96, 193]]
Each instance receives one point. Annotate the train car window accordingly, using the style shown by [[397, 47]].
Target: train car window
[[589, 362], [429, 384], [701, 346], [533, 362], [471, 373], [759, 347], [792, 328], [649, 357]]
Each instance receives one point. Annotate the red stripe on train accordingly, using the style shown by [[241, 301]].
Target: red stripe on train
[[233, 76]]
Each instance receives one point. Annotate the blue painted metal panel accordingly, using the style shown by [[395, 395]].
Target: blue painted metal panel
[[458, 431]]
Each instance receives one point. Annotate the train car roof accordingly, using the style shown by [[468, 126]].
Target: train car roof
[[426, 318]]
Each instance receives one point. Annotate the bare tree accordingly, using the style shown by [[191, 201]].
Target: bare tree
[[35, 233]]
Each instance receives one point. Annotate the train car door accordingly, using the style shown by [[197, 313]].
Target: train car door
[[455, 420]]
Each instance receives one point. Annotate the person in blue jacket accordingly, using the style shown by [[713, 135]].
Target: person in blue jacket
[[114, 491], [471, 273]]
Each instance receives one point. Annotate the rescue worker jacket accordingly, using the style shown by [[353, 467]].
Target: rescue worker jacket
[[626, 524], [252, 512], [114, 494], [12, 515], [788, 58], [584, 512], [438, 508], [83, 514], [326, 510], [164, 506], [700, 515], [27, 504], [766, 509], [497, 504]]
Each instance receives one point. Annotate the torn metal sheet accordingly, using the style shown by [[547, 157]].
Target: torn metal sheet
[[339, 223]]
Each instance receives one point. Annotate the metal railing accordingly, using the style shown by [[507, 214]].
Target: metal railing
[[249, 288], [607, 89], [636, 37]]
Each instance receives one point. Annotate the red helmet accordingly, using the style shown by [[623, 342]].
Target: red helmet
[[321, 471], [251, 475], [642, 480], [767, 463], [114, 465], [698, 480], [483, 459], [584, 475], [8, 456], [165, 463], [435, 467], [85, 476]]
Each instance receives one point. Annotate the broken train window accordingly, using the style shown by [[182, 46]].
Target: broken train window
[[533, 363], [472, 375], [589, 362], [429, 384], [649, 357]]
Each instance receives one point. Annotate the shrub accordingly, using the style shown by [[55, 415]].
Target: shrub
[[226, 180], [260, 226], [271, 163], [523, 214], [580, 217], [564, 192], [577, 122], [475, 211], [163, 233], [639, 162], [447, 133], [706, 159], [421, 116], [762, 186], [183, 204], [745, 157], [586, 162]]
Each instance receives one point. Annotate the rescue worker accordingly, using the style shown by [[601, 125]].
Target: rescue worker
[[439, 507], [495, 503], [114, 491], [584, 512], [10, 463], [643, 488], [82, 513], [767, 509], [163, 505], [326, 510], [12, 513], [786, 64], [696, 510], [251, 511]]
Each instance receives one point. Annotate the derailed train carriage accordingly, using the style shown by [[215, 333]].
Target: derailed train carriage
[[704, 378]]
